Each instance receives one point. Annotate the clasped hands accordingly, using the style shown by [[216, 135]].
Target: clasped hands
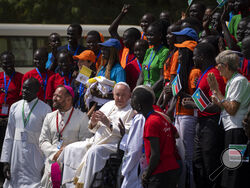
[[100, 116]]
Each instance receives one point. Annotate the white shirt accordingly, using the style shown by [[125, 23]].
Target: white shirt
[[21, 145], [237, 89]]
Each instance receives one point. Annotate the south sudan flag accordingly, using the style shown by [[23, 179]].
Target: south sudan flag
[[200, 99], [176, 85]]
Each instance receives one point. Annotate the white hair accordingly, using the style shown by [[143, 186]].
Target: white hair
[[124, 84]]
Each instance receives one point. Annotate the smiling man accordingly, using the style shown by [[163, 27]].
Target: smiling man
[[60, 128], [22, 158]]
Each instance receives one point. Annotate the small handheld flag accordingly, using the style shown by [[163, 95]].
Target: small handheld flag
[[221, 3], [190, 2], [200, 99], [176, 85]]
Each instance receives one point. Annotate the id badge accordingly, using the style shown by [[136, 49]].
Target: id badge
[[24, 136], [148, 84], [5, 109], [59, 144]]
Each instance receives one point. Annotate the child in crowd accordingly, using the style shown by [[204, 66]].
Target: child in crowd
[[86, 58], [134, 68]]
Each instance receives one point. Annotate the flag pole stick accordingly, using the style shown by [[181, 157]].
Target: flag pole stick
[[188, 8]]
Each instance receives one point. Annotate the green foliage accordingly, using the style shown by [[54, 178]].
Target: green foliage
[[85, 12]]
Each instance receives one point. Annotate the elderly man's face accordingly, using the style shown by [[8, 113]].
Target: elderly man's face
[[121, 95]]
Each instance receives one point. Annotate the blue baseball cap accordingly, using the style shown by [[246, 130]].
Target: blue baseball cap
[[188, 32], [112, 43]]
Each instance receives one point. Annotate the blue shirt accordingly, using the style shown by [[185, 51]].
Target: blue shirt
[[117, 73]]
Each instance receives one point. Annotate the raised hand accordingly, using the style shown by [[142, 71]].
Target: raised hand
[[125, 8], [212, 82]]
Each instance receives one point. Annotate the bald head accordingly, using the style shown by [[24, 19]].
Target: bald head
[[143, 98], [30, 89], [121, 94]]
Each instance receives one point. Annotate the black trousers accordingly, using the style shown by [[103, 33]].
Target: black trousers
[[166, 179], [208, 147], [239, 177]]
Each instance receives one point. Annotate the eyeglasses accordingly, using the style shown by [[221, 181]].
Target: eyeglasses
[[221, 64]]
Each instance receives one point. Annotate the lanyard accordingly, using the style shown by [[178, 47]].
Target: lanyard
[[179, 68], [151, 112], [81, 89], [44, 81], [139, 65], [60, 132], [170, 55], [97, 57], [26, 119], [142, 35], [65, 82], [75, 52], [6, 86], [229, 82], [127, 59], [202, 76], [151, 59]]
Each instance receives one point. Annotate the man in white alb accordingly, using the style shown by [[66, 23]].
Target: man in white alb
[[60, 128], [23, 160], [83, 159]]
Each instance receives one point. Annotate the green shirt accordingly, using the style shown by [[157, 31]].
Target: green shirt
[[158, 59], [233, 25]]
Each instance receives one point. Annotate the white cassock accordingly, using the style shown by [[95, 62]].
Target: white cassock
[[83, 159], [21, 145], [75, 130], [133, 154]]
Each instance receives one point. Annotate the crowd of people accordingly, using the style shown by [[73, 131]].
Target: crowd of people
[[170, 99]]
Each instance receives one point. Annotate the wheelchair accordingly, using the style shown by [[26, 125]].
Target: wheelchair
[[110, 175]]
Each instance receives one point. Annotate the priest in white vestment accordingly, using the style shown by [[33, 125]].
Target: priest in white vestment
[[60, 128], [131, 168], [23, 160], [82, 160]]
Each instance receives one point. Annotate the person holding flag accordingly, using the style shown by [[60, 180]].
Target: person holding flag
[[234, 105], [208, 143]]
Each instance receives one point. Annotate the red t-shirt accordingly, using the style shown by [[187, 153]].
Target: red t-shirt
[[33, 73], [157, 126], [245, 68], [203, 85], [133, 70], [54, 81], [13, 90]]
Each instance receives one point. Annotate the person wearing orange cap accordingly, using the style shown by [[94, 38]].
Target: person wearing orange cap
[[86, 58]]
